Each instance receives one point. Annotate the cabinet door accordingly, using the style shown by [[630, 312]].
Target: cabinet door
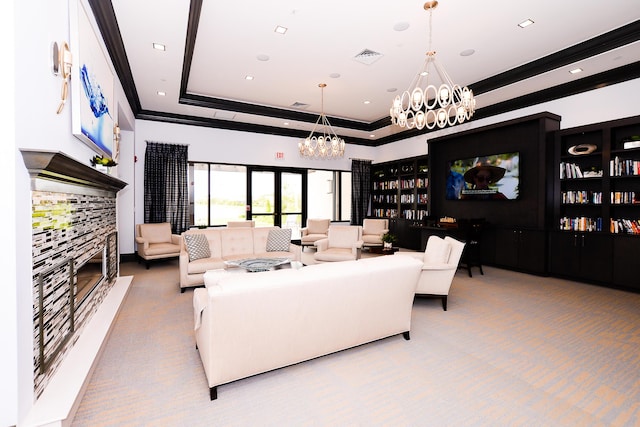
[[626, 268], [595, 257], [532, 252], [564, 254], [506, 242]]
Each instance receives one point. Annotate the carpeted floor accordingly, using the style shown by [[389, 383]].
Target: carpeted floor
[[512, 350]]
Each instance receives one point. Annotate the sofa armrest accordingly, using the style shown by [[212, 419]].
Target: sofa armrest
[[297, 252], [321, 244], [417, 255], [143, 244], [439, 267], [176, 239], [304, 231]]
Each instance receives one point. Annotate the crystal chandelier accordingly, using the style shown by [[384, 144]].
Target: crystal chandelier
[[325, 145], [447, 104]]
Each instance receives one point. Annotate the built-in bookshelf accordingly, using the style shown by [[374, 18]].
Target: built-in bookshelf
[[401, 189], [597, 202]]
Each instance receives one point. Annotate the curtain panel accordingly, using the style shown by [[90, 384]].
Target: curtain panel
[[360, 190], [166, 176]]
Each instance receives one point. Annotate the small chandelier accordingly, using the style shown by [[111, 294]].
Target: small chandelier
[[448, 104], [325, 145]]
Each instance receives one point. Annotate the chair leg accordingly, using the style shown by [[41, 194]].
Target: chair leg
[[444, 303]]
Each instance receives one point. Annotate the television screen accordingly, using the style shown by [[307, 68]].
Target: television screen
[[494, 177]]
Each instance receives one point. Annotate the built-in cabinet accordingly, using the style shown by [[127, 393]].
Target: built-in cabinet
[[521, 249], [597, 203], [401, 193]]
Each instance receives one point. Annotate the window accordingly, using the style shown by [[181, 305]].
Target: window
[[329, 195], [219, 193], [222, 193]]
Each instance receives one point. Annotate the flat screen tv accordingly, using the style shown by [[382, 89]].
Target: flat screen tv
[[492, 177]]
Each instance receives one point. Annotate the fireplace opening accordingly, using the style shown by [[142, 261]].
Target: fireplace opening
[[90, 275]]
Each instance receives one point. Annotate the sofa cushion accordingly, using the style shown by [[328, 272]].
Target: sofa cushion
[[437, 251], [279, 239], [197, 246], [236, 241]]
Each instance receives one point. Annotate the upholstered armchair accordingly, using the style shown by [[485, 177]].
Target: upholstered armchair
[[155, 241], [248, 223], [344, 243], [316, 229], [440, 263], [372, 231]]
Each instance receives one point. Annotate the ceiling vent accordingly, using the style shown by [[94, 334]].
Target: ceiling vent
[[299, 105], [367, 57]]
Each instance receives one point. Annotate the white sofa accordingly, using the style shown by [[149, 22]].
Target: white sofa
[[228, 244], [250, 323]]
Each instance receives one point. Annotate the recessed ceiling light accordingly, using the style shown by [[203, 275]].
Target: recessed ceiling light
[[372, 136], [334, 75], [159, 46], [576, 71], [161, 93], [286, 123], [248, 77], [392, 89], [401, 26], [467, 52], [280, 29], [525, 23], [262, 57], [367, 102]]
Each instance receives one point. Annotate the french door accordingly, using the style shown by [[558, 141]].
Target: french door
[[277, 197]]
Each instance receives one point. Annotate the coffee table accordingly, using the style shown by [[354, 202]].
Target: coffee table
[[381, 250], [253, 265]]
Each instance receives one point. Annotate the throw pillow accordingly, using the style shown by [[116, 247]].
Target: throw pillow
[[437, 251], [197, 246], [279, 240]]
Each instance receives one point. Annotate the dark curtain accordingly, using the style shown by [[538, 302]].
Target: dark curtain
[[360, 190], [166, 196]]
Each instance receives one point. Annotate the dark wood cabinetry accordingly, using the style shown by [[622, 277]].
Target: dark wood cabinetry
[[585, 256], [521, 249], [597, 203], [400, 192]]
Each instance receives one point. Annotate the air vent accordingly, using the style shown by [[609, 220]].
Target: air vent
[[299, 105], [367, 57]]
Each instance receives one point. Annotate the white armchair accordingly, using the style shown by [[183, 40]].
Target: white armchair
[[344, 243], [316, 229], [372, 231], [155, 241], [440, 263]]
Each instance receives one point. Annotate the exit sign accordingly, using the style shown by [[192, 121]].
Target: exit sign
[[279, 155]]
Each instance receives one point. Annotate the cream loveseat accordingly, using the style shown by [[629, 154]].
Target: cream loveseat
[[250, 323], [227, 244]]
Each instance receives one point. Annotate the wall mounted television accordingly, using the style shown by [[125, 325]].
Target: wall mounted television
[[490, 177]]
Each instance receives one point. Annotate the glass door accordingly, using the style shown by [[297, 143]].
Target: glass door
[[276, 198]]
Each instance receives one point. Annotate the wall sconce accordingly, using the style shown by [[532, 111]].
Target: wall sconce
[[116, 141], [62, 59]]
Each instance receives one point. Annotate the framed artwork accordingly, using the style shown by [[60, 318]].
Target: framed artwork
[[92, 103]]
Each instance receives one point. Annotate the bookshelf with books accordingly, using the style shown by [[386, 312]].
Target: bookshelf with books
[[597, 203], [400, 192]]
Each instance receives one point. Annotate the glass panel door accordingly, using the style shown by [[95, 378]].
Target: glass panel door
[[263, 198], [291, 202]]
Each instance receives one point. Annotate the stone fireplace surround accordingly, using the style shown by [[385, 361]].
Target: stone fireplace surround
[[73, 222]]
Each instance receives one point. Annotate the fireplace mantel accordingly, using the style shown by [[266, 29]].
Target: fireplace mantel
[[57, 166]]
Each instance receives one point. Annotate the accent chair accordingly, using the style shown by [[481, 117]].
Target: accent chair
[[155, 241], [372, 231], [440, 263], [344, 243], [316, 229]]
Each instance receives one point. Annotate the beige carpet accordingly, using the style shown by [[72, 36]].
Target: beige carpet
[[512, 350]]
